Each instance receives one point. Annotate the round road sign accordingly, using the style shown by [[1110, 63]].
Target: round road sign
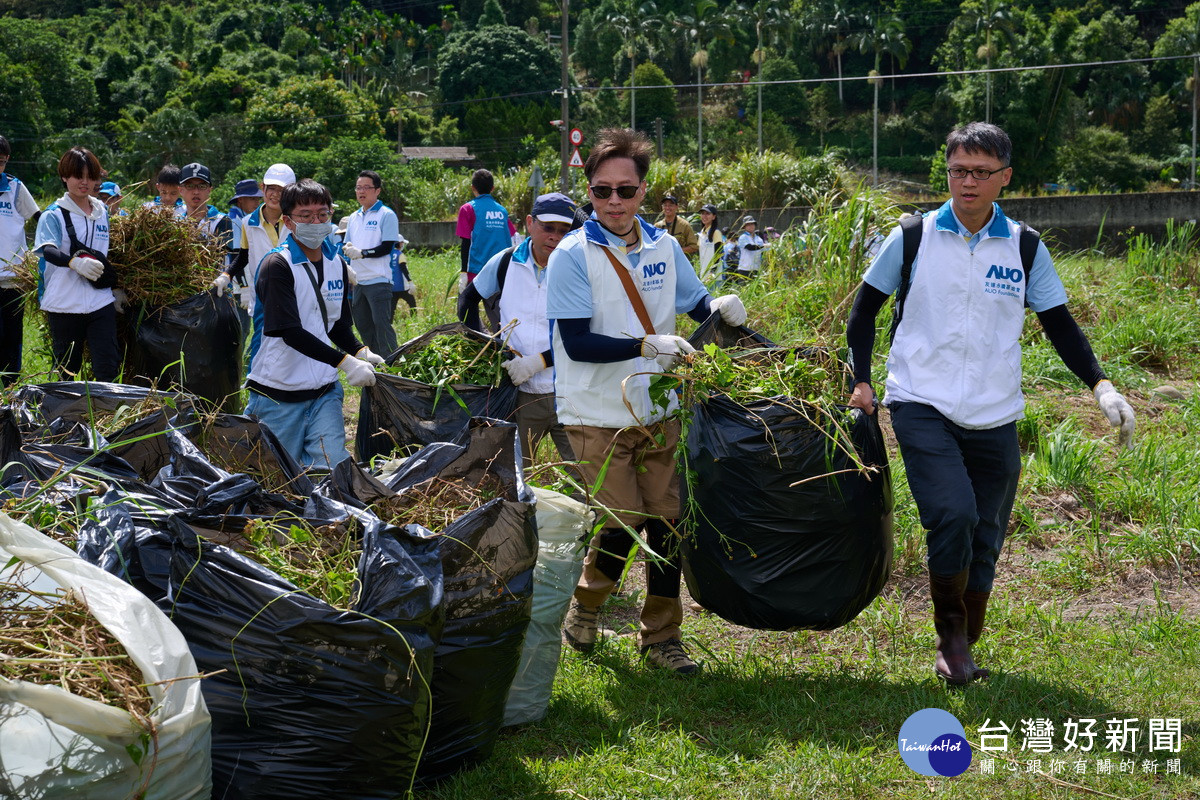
[[576, 136]]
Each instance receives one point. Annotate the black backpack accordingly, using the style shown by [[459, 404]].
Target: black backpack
[[912, 227]]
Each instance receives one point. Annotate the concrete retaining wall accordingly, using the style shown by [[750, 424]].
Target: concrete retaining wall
[[1073, 221]]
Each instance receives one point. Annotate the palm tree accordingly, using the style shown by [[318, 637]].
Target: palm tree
[[706, 23], [883, 34], [636, 22], [772, 17], [990, 16]]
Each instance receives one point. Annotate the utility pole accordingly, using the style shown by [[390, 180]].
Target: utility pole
[[564, 180], [658, 133]]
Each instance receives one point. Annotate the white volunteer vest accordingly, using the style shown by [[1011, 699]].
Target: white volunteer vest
[[591, 394], [523, 299], [958, 346], [65, 290], [277, 365], [12, 229], [258, 244], [364, 231]]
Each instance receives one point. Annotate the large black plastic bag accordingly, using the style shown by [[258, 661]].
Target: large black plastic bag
[[765, 554], [195, 344], [397, 412], [314, 702]]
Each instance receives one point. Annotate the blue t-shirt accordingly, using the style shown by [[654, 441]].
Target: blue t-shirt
[[1043, 291]]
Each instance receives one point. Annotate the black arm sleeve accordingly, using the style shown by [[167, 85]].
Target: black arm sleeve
[[55, 256], [701, 312], [583, 345], [1071, 345], [548, 357], [468, 307], [860, 330], [238, 268], [465, 253], [382, 249]]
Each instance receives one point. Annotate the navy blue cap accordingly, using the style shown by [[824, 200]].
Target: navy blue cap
[[554, 207], [195, 171], [247, 188]]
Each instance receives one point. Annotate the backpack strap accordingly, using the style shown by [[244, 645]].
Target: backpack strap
[[502, 267], [911, 229], [1028, 246]]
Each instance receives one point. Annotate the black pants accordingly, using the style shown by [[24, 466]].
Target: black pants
[[406, 297], [12, 333], [98, 330]]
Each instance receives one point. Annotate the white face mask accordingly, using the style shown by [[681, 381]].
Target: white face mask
[[311, 234]]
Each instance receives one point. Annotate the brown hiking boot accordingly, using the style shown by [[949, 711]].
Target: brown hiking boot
[[670, 655], [580, 628], [953, 662]]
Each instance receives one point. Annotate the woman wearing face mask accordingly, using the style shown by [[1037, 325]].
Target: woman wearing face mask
[[72, 242], [307, 334], [712, 242]]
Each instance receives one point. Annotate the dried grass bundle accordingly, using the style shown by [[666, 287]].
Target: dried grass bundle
[[162, 260], [435, 503], [52, 639]]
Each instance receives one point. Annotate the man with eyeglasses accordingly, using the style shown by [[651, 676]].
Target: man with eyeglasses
[[954, 377], [372, 233], [195, 181], [614, 289], [516, 277], [307, 334], [16, 207]]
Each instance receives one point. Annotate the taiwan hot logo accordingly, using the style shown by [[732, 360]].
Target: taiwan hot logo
[[932, 742]]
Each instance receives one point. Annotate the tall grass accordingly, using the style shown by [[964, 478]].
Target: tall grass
[[1175, 260]]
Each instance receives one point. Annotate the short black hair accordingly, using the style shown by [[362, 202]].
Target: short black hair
[[169, 175], [5, 148], [483, 182], [981, 137], [620, 143], [376, 181], [304, 193], [79, 162]]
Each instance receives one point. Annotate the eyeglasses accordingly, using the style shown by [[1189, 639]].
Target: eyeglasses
[[195, 187], [367, 188], [305, 219], [627, 192], [978, 174]]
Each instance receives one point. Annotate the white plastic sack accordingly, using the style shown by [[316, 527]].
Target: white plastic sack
[[563, 527], [54, 744]]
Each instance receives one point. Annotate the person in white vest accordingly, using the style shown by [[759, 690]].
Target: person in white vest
[[518, 275], [258, 233], [16, 207], [74, 285], [307, 334], [954, 376], [614, 288], [372, 233], [750, 247]]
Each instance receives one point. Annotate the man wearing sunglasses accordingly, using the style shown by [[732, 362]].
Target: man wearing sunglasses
[[954, 376], [615, 287]]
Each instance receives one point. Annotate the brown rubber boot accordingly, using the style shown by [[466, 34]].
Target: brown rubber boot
[[976, 603], [953, 661]]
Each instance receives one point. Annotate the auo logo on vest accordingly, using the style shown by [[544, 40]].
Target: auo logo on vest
[[933, 742], [1012, 274], [650, 270], [372, 223], [334, 286], [4, 204], [493, 215]]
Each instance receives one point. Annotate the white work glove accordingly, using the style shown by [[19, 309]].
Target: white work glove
[[358, 372], [1118, 411], [666, 350], [731, 309], [246, 298], [522, 368], [351, 252], [462, 282], [351, 275], [371, 358], [221, 283], [120, 301], [87, 266]]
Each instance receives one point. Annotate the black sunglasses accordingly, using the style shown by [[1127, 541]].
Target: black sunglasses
[[627, 192]]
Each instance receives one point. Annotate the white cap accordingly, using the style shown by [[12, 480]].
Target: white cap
[[279, 175]]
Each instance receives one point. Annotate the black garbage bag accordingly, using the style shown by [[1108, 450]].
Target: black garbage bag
[[311, 701], [397, 412], [487, 556], [195, 345], [769, 555]]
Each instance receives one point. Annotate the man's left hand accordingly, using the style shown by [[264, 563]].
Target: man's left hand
[[1118, 411], [732, 311], [522, 368], [351, 252], [120, 300]]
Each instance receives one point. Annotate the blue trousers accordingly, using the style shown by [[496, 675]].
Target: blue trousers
[[964, 483], [313, 431]]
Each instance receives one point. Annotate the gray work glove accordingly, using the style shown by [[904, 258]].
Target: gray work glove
[[1118, 411]]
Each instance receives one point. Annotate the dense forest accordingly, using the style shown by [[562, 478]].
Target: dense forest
[[336, 86]]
